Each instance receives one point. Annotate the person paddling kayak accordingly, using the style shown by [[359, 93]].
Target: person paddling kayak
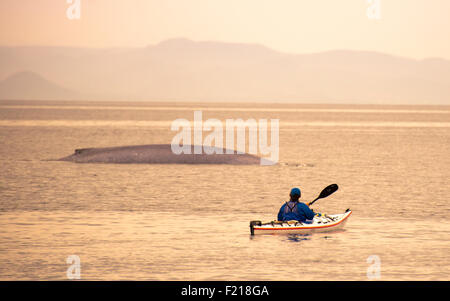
[[295, 210]]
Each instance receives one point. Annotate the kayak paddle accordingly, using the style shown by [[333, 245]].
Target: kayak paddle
[[330, 189]]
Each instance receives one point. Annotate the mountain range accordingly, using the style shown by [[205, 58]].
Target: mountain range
[[186, 70]]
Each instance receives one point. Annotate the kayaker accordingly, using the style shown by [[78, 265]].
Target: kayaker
[[295, 210]]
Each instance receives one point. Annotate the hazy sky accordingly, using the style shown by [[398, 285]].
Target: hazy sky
[[411, 28]]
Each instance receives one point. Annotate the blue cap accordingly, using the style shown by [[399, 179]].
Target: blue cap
[[295, 191]]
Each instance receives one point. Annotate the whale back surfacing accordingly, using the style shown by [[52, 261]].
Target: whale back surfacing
[[158, 154]]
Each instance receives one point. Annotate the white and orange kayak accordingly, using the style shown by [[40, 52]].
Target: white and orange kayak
[[320, 223]]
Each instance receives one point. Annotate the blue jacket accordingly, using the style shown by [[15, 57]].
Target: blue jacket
[[295, 211]]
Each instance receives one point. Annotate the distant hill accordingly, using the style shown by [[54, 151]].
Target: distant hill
[[31, 86], [185, 70]]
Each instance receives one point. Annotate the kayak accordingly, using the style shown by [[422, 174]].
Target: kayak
[[320, 223]]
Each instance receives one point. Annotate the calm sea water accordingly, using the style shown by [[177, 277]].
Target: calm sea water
[[190, 222]]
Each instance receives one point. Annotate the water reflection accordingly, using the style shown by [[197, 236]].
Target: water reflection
[[298, 237]]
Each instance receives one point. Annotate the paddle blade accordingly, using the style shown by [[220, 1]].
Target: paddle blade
[[328, 190]]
